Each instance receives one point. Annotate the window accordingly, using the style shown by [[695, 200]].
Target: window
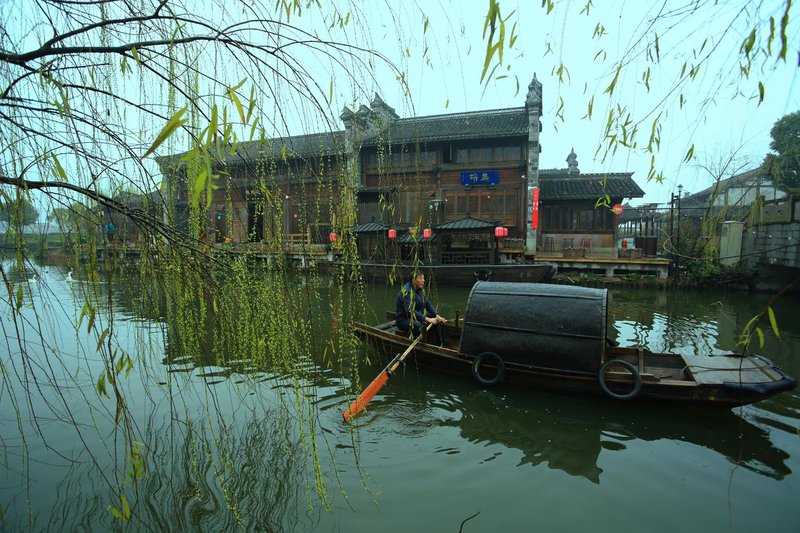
[[472, 204], [507, 153], [461, 204], [405, 157], [486, 204], [576, 218], [479, 154]]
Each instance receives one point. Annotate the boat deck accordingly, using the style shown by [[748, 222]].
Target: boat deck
[[706, 370]]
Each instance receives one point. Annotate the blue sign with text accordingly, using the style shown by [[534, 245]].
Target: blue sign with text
[[480, 177]]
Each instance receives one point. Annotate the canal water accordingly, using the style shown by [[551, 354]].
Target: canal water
[[433, 453]]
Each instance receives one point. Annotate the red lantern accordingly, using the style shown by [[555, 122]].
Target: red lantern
[[332, 237], [412, 231], [617, 209], [505, 232], [498, 232], [426, 233], [392, 234]]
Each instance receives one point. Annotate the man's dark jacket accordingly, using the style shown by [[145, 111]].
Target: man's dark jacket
[[413, 302]]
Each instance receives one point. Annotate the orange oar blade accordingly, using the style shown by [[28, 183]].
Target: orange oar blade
[[364, 398]]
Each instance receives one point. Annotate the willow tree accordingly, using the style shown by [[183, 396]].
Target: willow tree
[[91, 94], [653, 67]]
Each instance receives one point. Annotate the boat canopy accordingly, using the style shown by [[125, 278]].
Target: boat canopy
[[537, 325]]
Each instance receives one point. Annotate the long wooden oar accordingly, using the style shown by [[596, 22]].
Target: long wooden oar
[[364, 398]]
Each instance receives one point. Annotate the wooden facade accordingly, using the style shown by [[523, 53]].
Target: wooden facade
[[422, 172]]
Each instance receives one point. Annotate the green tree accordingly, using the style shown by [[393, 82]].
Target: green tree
[[90, 93], [76, 220], [17, 210], [783, 166], [59, 215]]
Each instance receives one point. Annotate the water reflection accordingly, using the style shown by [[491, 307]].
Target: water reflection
[[200, 479], [652, 319], [700, 322], [569, 434], [218, 472]]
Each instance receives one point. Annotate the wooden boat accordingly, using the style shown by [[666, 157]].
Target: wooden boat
[[553, 337]]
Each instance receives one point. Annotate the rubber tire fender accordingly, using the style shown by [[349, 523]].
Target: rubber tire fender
[[637, 380], [489, 357]]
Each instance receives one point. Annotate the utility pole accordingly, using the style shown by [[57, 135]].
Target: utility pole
[[672, 232], [678, 238]]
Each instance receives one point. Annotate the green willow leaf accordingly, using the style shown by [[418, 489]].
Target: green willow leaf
[[212, 127], [58, 171], [92, 315], [784, 40], [253, 128], [175, 122], [126, 508], [771, 35], [658, 50], [773, 322], [235, 99], [252, 105], [101, 384], [197, 187], [610, 88], [748, 44], [689, 154], [101, 339]]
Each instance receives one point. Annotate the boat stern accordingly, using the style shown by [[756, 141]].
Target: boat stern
[[739, 380], [775, 380]]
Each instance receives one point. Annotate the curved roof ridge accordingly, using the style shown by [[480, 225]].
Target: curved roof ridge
[[463, 114]]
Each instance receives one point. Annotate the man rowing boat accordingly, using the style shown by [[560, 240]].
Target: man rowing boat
[[413, 309]]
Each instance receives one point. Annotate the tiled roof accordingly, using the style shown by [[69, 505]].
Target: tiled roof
[[509, 122], [370, 227], [132, 199], [558, 185], [748, 178], [315, 144], [311, 145], [465, 224], [455, 126]]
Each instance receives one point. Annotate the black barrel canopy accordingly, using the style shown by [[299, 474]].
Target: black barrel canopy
[[540, 325]]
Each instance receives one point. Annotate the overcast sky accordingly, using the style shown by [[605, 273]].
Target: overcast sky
[[718, 117], [442, 63]]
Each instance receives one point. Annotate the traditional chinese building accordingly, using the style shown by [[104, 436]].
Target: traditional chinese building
[[458, 175]]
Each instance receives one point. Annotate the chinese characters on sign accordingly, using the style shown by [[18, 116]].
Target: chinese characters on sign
[[480, 177], [535, 216]]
